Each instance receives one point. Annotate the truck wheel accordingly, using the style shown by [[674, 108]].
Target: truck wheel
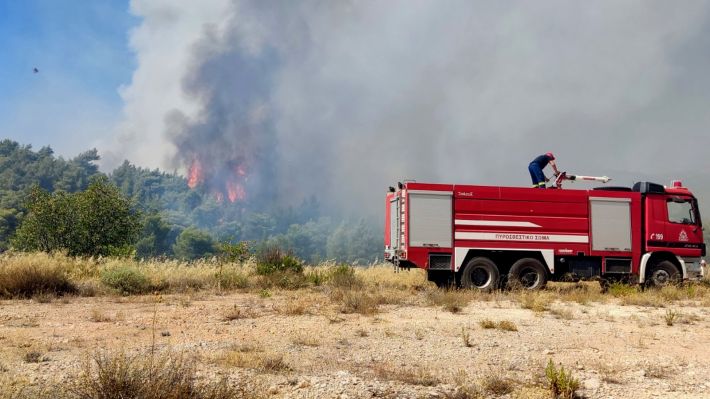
[[528, 274], [480, 273], [662, 274]]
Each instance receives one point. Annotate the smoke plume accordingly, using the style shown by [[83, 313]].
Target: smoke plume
[[274, 101]]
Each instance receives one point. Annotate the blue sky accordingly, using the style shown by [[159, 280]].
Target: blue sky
[[82, 53]]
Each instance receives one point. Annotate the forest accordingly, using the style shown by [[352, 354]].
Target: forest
[[168, 218]]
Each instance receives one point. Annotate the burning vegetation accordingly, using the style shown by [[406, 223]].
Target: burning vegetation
[[223, 181]]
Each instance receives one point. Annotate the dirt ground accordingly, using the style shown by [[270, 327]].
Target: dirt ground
[[293, 344]]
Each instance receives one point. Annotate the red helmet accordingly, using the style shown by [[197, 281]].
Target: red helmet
[[549, 154]]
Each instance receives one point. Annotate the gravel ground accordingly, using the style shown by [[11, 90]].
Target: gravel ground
[[403, 351]]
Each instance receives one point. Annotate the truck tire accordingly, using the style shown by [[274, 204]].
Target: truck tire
[[527, 274], [480, 273], [662, 274]]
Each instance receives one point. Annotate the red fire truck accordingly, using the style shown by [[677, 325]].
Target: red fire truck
[[487, 237]]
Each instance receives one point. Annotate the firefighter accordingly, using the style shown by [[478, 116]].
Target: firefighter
[[536, 167]]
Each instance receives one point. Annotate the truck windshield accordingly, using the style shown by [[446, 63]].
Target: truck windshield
[[681, 211]]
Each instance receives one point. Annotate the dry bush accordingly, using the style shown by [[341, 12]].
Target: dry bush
[[355, 301], [609, 373], [383, 276], [164, 376], [127, 280], [256, 360], [305, 340], [487, 323], [34, 356], [299, 304], [236, 313], [453, 301], [657, 370], [562, 313], [283, 279], [13, 387], [343, 277], [537, 301], [99, 316], [412, 376], [24, 276], [671, 316], [466, 337], [496, 384], [580, 292], [506, 325]]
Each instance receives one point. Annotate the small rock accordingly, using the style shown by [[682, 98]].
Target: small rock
[[165, 333], [592, 384]]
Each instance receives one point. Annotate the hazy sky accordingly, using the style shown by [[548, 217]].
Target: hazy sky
[[342, 98]]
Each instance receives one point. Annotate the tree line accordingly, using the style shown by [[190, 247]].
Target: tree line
[[51, 203]]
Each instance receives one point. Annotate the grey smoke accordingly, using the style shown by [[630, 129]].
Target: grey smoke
[[342, 98]]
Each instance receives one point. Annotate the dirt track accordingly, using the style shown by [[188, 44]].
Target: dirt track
[[616, 351]]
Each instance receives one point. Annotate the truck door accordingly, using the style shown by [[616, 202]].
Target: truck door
[[683, 233]]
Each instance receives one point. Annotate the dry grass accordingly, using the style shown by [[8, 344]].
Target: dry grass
[[412, 376], [100, 316], [164, 376], [360, 290], [497, 384], [504, 325], [305, 340], [28, 275], [254, 357], [562, 313], [537, 301], [453, 301], [466, 337], [236, 313]]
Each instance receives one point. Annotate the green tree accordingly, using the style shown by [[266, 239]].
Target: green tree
[[98, 221], [193, 244], [156, 238]]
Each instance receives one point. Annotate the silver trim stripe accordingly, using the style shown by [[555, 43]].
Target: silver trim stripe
[[536, 237], [499, 223]]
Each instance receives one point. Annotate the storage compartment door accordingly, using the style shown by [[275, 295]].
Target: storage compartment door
[[611, 224], [430, 219], [394, 223]]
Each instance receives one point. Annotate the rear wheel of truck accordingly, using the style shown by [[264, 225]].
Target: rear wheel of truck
[[480, 273], [662, 274], [527, 274]]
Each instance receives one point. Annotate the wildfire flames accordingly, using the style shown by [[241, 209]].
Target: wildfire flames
[[223, 182]]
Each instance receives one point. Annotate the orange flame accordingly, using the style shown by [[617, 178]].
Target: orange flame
[[195, 174], [235, 191], [241, 171]]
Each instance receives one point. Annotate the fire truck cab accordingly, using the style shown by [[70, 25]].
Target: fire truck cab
[[487, 237]]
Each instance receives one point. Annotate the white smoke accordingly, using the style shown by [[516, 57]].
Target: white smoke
[[355, 95]]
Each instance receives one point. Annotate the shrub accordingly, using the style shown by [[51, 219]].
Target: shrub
[[126, 280], [560, 382], [273, 259], [165, 376], [343, 276], [234, 252], [25, 279], [451, 300], [497, 385], [316, 277], [229, 278]]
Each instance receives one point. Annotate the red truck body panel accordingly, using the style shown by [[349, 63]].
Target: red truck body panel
[[560, 225]]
